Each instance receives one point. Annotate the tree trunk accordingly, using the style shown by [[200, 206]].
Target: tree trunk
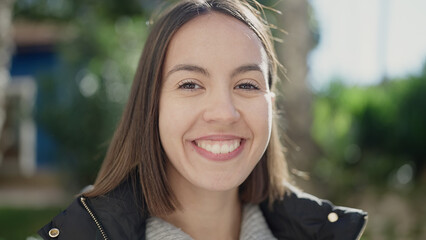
[[296, 94], [5, 53]]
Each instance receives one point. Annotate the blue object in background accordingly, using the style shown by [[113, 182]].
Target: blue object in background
[[31, 61]]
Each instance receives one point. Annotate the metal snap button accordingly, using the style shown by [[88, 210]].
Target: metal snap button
[[54, 232], [332, 217]]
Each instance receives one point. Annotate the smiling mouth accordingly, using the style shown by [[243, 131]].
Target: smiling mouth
[[218, 147]]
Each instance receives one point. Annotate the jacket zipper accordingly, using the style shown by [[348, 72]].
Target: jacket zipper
[[363, 228], [83, 201]]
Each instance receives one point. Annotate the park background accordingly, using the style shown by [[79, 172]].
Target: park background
[[352, 102]]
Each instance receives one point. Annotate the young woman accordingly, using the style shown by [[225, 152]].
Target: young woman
[[196, 154]]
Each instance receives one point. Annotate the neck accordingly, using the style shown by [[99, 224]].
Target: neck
[[206, 214]]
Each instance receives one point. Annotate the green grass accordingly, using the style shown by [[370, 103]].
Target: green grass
[[20, 223]]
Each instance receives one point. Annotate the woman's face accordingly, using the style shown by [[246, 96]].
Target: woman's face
[[215, 104]]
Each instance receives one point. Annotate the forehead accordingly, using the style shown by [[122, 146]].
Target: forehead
[[218, 36], [217, 23]]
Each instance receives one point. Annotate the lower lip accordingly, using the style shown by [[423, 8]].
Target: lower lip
[[221, 157]]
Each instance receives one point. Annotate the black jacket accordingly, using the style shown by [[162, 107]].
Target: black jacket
[[117, 216]]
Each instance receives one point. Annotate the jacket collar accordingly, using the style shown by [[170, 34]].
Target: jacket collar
[[302, 216], [297, 216]]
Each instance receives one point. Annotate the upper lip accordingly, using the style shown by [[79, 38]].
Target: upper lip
[[219, 137]]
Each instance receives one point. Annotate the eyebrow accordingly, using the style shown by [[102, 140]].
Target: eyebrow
[[193, 68], [246, 68], [188, 67]]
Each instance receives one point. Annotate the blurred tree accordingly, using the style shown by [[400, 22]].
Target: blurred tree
[[69, 10], [80, 103], [6, 7], [373, 135], [297, 20], [91, 90]]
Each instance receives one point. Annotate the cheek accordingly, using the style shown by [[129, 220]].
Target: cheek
[[260, 117], [166, 119], [174, 120]]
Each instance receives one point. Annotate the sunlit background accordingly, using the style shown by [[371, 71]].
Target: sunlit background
[[364, 41], [352, 102]]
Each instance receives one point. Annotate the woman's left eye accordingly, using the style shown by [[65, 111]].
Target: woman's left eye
[[248, 86], [189, 85]]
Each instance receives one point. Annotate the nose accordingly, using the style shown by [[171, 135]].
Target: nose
[[220, 107]]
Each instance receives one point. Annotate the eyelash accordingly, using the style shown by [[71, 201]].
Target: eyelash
[[250, 84], [187, 83], [192, 85]]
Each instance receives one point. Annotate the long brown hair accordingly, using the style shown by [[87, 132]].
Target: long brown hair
[[135, 150]]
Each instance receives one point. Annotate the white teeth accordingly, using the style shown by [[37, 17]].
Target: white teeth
[[219, 147], [216, 148], [209, 148], [224, 148]]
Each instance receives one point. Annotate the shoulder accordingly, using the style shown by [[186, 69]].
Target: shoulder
[[117, 215], [302, 216], [72, 223]]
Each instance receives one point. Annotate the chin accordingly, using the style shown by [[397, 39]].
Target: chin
[[218, 183]]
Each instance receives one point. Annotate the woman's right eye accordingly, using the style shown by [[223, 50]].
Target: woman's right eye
[[189, 85]]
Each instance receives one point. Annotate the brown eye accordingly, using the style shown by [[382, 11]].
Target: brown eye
[[250, 85], [189, 85]]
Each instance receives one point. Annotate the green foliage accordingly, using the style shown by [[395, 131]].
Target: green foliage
[[66, 10], [79, 105], [371, 135], [19, 223]]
